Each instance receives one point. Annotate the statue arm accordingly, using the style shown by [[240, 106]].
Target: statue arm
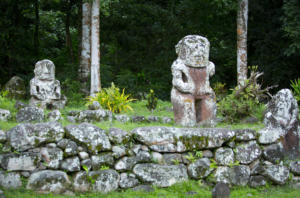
[[181, 79], [211, 69], [34, 90]]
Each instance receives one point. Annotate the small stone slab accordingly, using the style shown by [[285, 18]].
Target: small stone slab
[[48, 181], [26, 136], [71, 164], [30, 114], [224, 156], [295, 167], [277, 173], [10, 180], [20, 162], [5, 115], [118, 136], [247, 152], [245, 134], [128, 180], [105, 181], [170, 139], [200, 169], [221, 190], [94, 138], [161, 175]]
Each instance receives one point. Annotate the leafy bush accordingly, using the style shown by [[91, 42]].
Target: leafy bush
[[220, 90], [5, 102], [111, 98], [244, 101], [151, 101], [296, 89]]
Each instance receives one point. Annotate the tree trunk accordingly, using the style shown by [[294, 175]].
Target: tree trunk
[[95, 48], [85, 57], [36, 30], [68, 35], [242, 20]]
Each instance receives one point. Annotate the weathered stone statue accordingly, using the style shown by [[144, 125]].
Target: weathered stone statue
[[44, 89], [192, 97]]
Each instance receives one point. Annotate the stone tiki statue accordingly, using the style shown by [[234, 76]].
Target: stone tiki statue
[[192, 97], [44, 89]]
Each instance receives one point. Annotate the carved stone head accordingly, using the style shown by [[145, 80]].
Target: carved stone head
[[44, 70], [193, 50]]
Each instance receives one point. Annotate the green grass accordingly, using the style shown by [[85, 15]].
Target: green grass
[[180, 190]]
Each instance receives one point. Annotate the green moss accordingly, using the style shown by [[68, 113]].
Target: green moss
[[194, 142]]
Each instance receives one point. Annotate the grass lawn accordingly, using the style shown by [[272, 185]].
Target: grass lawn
[[190, 189]]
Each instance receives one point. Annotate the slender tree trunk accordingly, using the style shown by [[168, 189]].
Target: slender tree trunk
[[95, 48], [36, 30], [85, 57], [242, 23], [79, 29], [68, 35]]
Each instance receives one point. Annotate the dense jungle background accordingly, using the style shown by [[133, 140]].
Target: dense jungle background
[[138, 39]]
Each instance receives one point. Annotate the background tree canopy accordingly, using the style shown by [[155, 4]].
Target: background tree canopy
[[138, 39]]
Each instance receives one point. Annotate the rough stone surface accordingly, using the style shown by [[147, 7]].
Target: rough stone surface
[[173, 158], [122, 118], [27, 136], [48, 181], [20, 162], [45, 91], [153, 119], [200, 169], [257, 181], [247, 152], [2, 195], [16, 88], [118, 136], [94, 106], [282, 124], [30, 114], [295, 167], [51, 157], [224, 156], [90, 136], [127, 163], [105, 181], [83, 155], [277, 173], [161, 175], [2, 136], [221, 190], [118, 151], [128, 180], [240, 175], [274, 153], [81, 183], [86, 164], [54, 115], [245, 134], [170, 139], [100, 160], [157, 158], [192, 97], [71, 149], [5, 115], [93, 116], [71, 164], [138, 119], [237, 175], [10, 180], [166, 120]]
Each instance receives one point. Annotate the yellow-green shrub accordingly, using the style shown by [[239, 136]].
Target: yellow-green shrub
[[112, 99]]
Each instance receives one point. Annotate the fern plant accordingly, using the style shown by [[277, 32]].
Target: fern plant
[[296, 89], [112, 99]]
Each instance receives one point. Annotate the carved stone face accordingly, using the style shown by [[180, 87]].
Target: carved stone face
[[45, 70], [193, 50]]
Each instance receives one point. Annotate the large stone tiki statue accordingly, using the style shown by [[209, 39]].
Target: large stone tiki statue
[[44, 89], [192, 97]]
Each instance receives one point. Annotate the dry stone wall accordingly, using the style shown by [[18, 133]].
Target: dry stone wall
[[81, 158]]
